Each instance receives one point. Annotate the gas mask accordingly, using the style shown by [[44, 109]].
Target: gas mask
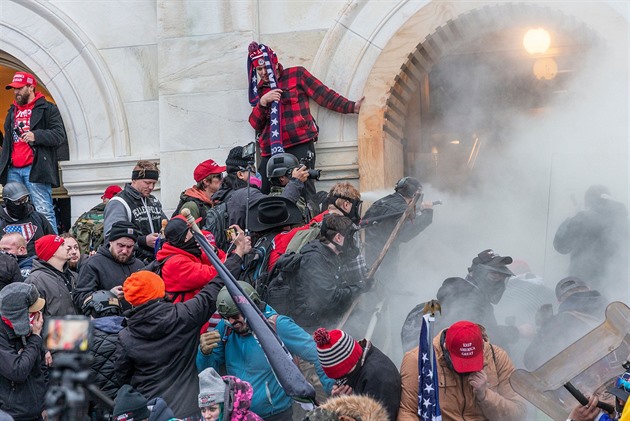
[[490, 280], [350, 242], [17, 209], [355, 211]]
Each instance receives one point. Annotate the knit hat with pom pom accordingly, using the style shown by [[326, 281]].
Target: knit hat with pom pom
[[338, 352]]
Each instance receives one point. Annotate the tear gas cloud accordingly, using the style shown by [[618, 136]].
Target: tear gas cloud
[[525, 186]]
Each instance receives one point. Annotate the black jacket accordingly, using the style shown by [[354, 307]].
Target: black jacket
[[9, 270], [157, 349], [55, 287], [146, 213], [378, 378], [51, 143], [103, 348], [322, 295], [23, 375], [102, 271], [32, 228], [461, 300], [377, 235]]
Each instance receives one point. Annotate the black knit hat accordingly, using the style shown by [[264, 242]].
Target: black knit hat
[[123, 229], [130, 405], [235, 161]]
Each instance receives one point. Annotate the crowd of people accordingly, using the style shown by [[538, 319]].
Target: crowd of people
[[168, 339]]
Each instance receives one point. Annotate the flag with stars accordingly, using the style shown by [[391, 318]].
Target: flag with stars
[[428, 392], [27, 230], [275, 131]]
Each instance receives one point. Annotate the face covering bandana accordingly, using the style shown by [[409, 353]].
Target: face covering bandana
[[15, 210]]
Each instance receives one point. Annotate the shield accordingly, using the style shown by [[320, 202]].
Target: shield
[[591, 364]]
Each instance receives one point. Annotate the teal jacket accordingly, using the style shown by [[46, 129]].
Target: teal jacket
[[244, 358]]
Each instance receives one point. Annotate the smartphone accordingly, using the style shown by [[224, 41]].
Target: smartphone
[[231, 234], [69, 334]]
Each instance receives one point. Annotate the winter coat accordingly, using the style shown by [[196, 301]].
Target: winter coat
[[23, 375], [53, 287], [239, 409], [160, 411], [461, 300], [33, 227], [321, 294], [244, 358], [26, 264], [9, 270], [237, 202], [194, 200], [103, 272], [103, 348], [50, 143], [378, 378], [457, 400], [377, 235], [184, 274], [577, 315], [146, 213], [156, 350]]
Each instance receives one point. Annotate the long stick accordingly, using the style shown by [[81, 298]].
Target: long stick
[[408, 212], [280, 359]]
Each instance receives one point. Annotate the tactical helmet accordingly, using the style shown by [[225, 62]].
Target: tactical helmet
[[14, 191], [226, 306], [279, 164], [100, 304], [407, 186]]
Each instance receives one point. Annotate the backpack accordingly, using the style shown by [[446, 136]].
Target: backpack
[[302, 237], [156, 266], [216, 222], [89, 231], [255, 262], [278, 288]]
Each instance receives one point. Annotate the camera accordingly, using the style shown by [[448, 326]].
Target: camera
[[249, 152], [231, 234], [313, 174], [69, 334]]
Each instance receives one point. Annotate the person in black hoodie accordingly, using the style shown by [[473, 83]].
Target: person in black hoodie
[[19, 215], [359, 368], [23, 372], [105, 310], [137, 205], [157, 348], [581, 309], [110, 266]]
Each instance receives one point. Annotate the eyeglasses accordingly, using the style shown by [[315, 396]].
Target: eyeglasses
[[217, 176], [20, 201]]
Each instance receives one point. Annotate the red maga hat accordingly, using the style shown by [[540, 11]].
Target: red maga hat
[[21, 79], [464, 343]]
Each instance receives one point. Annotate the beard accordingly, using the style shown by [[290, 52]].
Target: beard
[[121, 258], [73, 264]]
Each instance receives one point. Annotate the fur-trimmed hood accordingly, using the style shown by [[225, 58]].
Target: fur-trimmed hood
[[357, 407]]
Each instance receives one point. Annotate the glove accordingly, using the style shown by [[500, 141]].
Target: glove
[[209, 341]]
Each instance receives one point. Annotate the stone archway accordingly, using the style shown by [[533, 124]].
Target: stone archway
[[71, 68]]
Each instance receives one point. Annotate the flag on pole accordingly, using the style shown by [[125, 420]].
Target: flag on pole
[[428, 391]]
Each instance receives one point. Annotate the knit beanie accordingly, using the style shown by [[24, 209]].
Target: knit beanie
[[122, 229], [47, 245], [130, 405], [338, 352], [235, 161], [211, 388], [143, 286]]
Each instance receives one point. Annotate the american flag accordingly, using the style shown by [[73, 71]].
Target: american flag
[[26, 230], [275, 117], [428, 391]]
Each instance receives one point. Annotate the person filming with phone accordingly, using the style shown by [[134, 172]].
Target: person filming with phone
[[23, 371]]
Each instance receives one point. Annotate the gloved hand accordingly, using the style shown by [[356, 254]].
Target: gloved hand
[[209, 341]]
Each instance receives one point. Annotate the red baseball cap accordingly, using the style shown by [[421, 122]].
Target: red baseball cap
[[464, 343], [111, 191], [21, 79], [207, 168]]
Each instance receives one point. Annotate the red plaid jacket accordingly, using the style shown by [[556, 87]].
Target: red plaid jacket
[[298, 126]]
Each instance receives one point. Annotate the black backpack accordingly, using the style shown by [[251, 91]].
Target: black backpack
[[217, 222], [256, 261], [278, 288], [156, 266]]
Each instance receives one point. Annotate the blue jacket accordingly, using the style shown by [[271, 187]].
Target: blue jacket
[[244, 358]]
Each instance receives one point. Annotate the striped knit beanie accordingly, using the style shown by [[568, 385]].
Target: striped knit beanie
[[338, 352]]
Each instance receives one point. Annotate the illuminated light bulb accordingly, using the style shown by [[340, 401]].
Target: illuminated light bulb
[[536, 41]]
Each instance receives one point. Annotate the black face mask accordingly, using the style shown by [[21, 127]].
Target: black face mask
[[17, 211], [191, 247], [488, 282]]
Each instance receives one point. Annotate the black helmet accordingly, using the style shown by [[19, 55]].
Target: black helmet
[[14, 191], [407, 186], [279, 164], [100, 304], [226, 306]]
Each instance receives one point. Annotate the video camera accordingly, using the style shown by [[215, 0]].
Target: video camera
[[249, 152], [313, 173], [67, 397]]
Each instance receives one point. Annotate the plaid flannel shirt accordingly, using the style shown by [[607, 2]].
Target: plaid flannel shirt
[[298, 125]]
